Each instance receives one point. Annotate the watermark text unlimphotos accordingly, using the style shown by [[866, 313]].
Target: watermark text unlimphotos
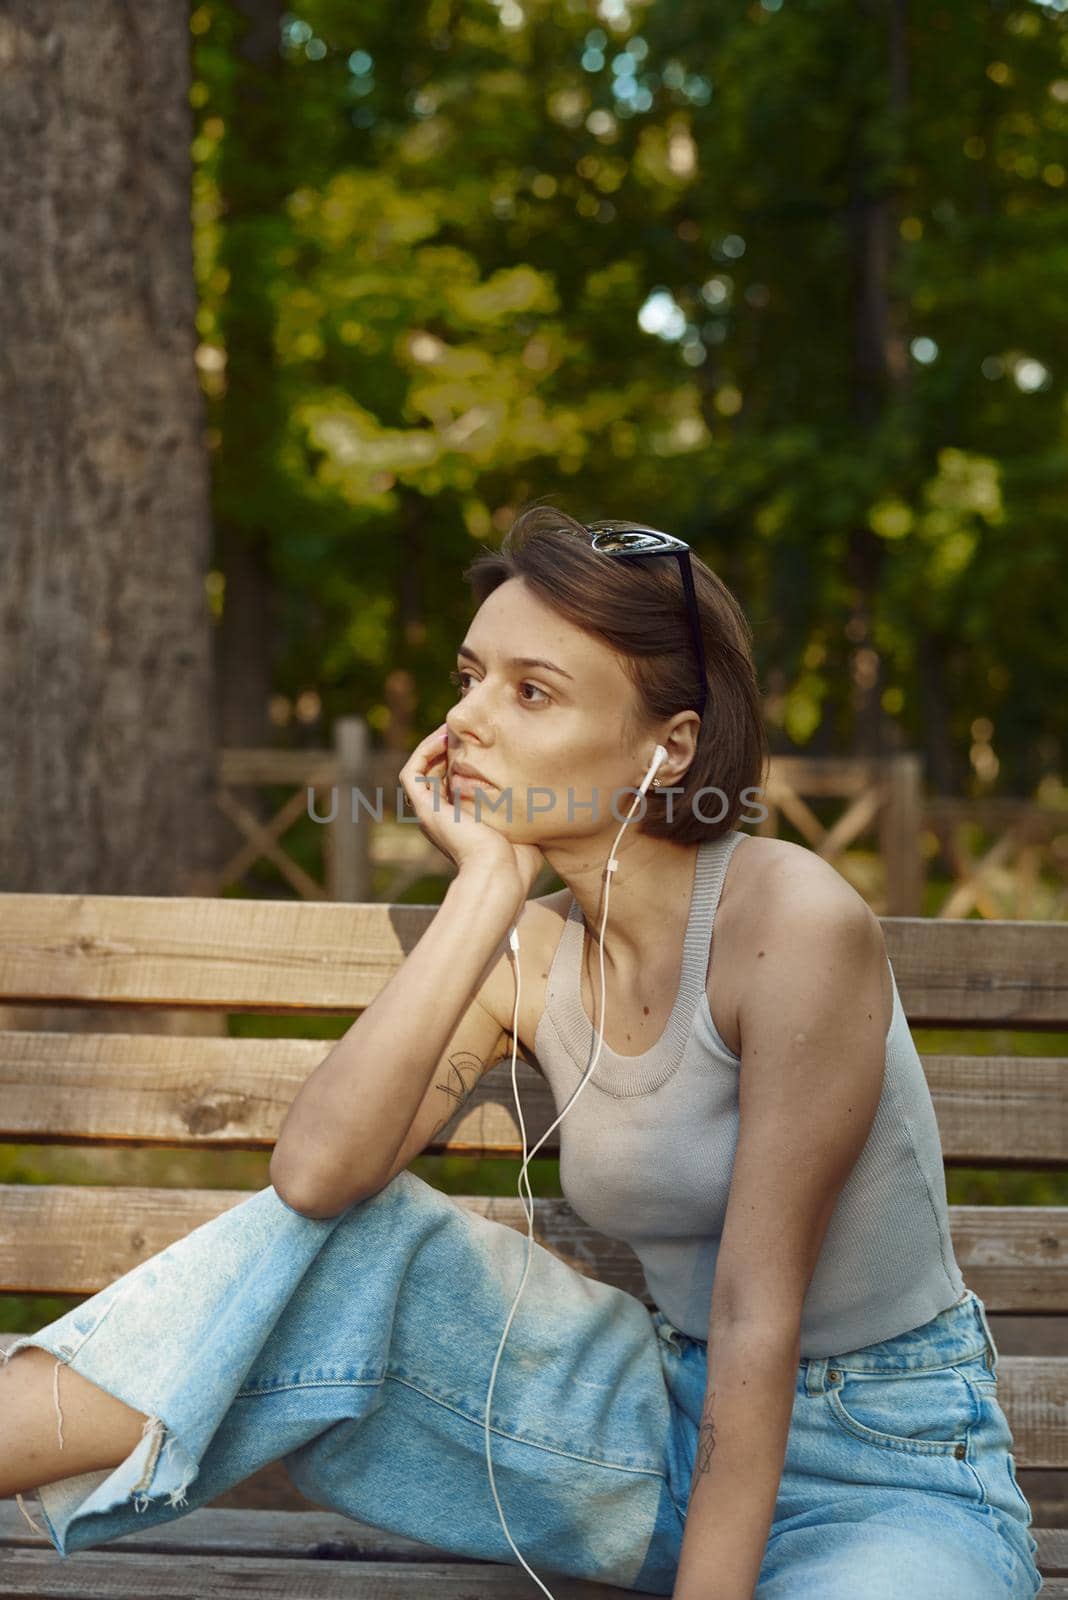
[[540, 801]]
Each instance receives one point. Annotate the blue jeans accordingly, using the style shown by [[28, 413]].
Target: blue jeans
[[359, 1349]]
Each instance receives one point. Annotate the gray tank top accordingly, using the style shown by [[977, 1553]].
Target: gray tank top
[[647, 1151]]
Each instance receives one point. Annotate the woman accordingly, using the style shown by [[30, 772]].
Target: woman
[[811, 1409]]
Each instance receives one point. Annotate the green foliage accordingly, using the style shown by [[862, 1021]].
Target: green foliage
[[614, 260]]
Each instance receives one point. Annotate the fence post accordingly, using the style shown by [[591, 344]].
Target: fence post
[[350, 855], [900, 827]]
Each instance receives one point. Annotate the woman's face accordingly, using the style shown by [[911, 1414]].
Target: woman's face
[[551, 737]]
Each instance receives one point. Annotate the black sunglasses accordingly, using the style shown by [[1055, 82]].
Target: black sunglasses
[[632, 541]]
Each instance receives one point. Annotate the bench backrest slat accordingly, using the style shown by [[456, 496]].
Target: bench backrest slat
[[233, 1094], [74, 1239], [284, 956]]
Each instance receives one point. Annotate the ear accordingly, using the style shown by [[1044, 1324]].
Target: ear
[[679, 738]]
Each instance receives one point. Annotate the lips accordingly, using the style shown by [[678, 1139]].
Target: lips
[[462, 771]]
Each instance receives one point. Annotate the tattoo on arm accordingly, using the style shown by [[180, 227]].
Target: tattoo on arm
[[464, 1071], [706, 1439]]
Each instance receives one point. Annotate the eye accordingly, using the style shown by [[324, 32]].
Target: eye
[[457, 677]]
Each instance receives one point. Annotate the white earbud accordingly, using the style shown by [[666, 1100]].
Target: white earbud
[[660, 755]]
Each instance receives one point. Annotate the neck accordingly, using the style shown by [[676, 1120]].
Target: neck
[[649, 898]]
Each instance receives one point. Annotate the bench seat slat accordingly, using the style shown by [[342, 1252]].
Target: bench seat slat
[[131, 1575], [209, 1530], [326, 1536], [333, 1543]]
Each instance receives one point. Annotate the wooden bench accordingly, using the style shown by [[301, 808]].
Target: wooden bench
[[231, 1094]]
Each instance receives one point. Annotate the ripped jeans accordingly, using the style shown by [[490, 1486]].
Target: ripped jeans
[[358, 1349]]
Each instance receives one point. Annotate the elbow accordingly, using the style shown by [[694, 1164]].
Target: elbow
[[760, 1321], [304, 1200], [764, 1336], [301, 1210]]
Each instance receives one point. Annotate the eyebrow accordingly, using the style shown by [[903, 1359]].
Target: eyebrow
[[515, 661]]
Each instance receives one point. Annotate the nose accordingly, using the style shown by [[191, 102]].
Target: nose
[[471, 725], [466, 725]]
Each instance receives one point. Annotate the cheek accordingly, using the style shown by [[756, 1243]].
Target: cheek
[[583, 774]]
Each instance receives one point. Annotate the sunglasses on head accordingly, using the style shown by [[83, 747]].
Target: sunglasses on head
[[632, 541]]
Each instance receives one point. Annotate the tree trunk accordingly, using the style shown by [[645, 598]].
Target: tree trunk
[[253, 183], [410, 625], [939, 748], [107, 751], [107, 739], [879, 370]]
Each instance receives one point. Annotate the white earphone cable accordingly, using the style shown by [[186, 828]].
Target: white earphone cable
[[611, 865]]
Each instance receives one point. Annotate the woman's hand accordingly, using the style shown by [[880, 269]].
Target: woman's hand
[[459, 834]]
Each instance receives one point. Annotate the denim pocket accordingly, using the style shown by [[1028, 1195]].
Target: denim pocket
[[926, 1412]]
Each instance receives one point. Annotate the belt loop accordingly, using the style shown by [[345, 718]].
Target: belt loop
[[667, 1332], [814, 1377], [992, 1348]]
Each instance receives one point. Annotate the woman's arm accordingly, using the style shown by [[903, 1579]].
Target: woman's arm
[[813, 1055], [741, 1448]]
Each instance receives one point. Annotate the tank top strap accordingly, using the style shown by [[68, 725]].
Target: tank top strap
[[713, 859]]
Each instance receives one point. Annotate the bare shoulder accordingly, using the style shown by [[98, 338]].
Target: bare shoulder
[[775, 886], [782, 877]]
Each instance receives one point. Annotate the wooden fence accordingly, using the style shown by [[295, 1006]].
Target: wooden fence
[[1006, 879], [882, 802]]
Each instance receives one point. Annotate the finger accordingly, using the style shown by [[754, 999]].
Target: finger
[[427, 749]]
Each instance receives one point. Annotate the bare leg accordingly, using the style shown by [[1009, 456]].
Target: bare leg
[[40, 1442]]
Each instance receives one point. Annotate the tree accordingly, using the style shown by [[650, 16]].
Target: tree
[[784, 279], [107, 734]]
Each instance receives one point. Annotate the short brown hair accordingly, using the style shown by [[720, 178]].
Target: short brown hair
[[638, 608]]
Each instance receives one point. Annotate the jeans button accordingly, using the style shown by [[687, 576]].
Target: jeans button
[[833, 1375], [961, 1451]]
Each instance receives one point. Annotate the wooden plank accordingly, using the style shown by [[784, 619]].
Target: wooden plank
[[974, 890], [75, 1239], [1052, 1556], [900, 835], [245, 766], [150, 1089], [236, 955], [970, 974], [999, 1110], [242, 767], [232, 1094], [827, 775], [209, 1531], [285, 956], [1033, 1393], [989, 813], [1004, 1251], [325, 1536], [114, 1574]]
